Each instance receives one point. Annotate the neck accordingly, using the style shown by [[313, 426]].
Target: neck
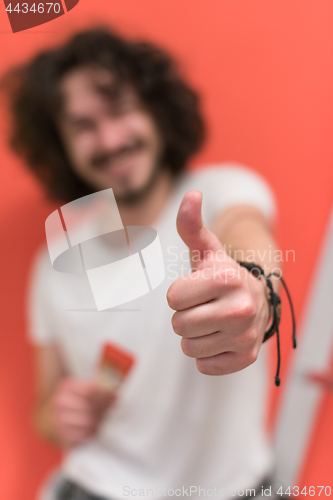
[[147, 210]]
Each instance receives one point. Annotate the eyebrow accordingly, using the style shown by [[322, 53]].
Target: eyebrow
[[116, 94], [75, 119]]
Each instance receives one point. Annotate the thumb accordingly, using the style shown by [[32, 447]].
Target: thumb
[[191, 227]]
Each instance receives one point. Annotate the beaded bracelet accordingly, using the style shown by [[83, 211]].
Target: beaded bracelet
[[275, 301]]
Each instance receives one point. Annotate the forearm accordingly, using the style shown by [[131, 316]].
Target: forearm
[[50, 370], [247, 237]]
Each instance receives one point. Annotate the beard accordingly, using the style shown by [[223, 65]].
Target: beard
[[129, 195], [133, 196]]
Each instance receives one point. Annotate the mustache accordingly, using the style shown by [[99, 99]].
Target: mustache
[[101, 158]]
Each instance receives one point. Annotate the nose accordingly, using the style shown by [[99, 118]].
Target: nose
[[111, 134]]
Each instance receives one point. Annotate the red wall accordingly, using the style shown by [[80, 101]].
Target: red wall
[[265, 70]]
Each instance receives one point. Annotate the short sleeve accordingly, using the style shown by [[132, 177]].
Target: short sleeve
[[226, 185], [39, 310]]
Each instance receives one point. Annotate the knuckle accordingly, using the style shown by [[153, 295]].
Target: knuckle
[[188, 347], [248, 308], [172, 297], [250, 337], [177, 323], [203, 367], [208, 366], [219, 278], [252, 356], [224, 276]]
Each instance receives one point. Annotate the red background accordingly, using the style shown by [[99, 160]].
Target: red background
[[265, 71]]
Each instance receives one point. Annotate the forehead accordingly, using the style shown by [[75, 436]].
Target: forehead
[[88, 89]]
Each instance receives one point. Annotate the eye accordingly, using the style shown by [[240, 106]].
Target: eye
[[82, 126]]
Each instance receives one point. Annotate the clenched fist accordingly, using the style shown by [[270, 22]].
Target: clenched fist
[[77, 408], [222, 310]]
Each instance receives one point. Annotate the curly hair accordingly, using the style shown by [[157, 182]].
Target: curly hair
[[35, 100]]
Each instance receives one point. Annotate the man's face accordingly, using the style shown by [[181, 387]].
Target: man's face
[[110, 142]]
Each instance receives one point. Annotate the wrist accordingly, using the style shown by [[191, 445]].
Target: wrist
[[258, 272]]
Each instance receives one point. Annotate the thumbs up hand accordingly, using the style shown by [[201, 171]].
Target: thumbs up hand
[[222, 310]]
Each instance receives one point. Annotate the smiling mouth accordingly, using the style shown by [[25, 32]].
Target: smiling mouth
[[118, 161]]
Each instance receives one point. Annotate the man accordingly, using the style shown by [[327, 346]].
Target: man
[[101, 112]]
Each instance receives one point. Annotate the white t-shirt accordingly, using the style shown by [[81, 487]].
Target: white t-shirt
[[172, 426]]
